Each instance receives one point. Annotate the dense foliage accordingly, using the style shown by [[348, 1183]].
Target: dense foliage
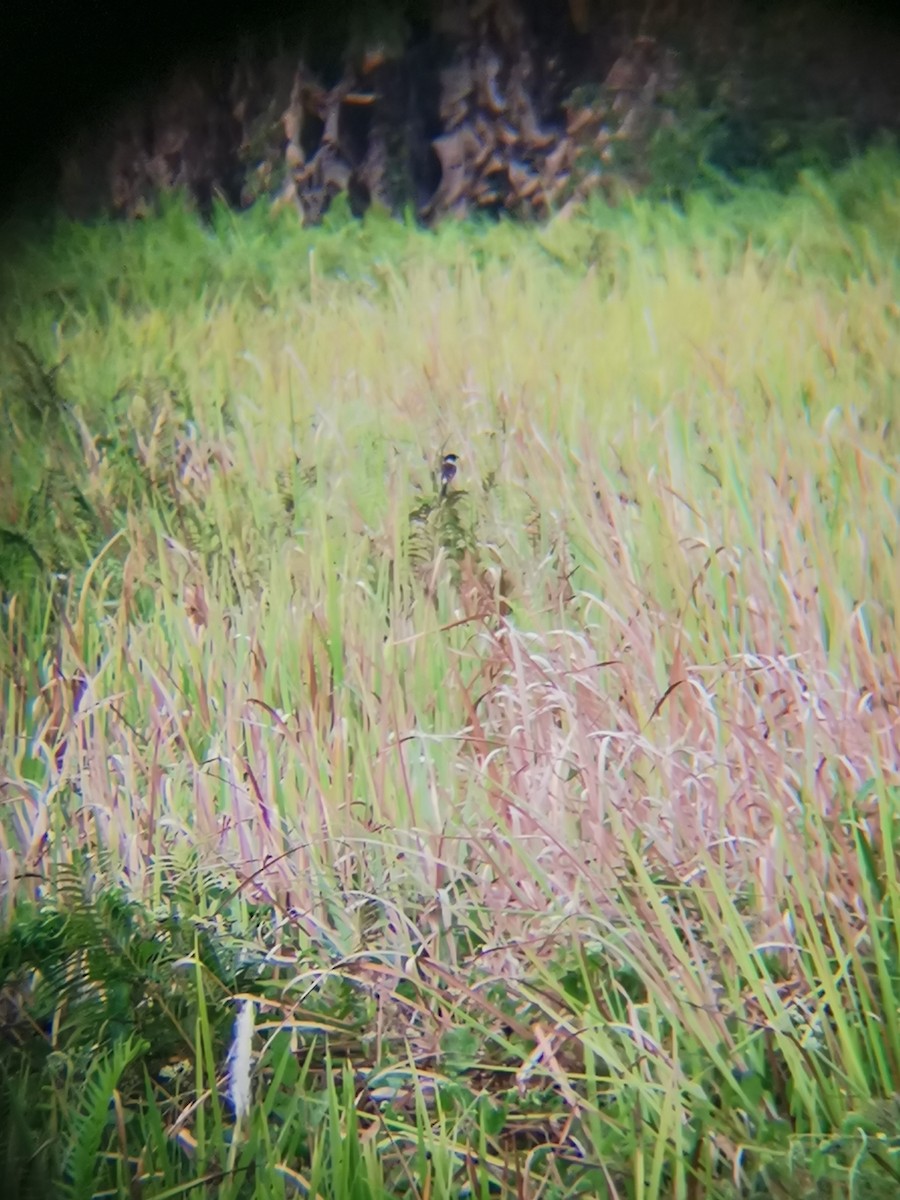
[[534, 838]]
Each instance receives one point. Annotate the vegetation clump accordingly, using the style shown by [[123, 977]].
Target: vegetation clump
[[372, 829]]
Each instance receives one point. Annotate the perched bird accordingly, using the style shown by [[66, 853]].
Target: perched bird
[[448, 471]]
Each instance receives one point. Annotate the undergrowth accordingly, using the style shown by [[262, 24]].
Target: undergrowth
[[531, 834]]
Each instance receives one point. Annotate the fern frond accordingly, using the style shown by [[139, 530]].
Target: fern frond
[[92, 1116]]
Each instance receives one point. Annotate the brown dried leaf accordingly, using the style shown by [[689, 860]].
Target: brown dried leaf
[[455, 152], [488, 90], [523, 180]]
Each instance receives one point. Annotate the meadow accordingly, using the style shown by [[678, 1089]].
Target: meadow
[[536, 840]]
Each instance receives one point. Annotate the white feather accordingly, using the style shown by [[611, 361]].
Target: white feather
[[239, 1060]]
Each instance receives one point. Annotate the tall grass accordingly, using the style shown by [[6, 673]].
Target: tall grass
[[550, 827]]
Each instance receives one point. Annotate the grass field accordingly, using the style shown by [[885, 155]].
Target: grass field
[[534, 841]]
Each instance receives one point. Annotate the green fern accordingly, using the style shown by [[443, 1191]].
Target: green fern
[[99, 969], [88, 988], [438, 525], [92, 1115], [21, 567]]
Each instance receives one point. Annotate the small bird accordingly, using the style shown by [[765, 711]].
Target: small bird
[[448, 472]]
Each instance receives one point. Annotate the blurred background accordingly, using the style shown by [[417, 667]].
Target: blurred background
[[486, 105]]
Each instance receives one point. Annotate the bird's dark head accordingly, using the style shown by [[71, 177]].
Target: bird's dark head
[[448, 471]]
